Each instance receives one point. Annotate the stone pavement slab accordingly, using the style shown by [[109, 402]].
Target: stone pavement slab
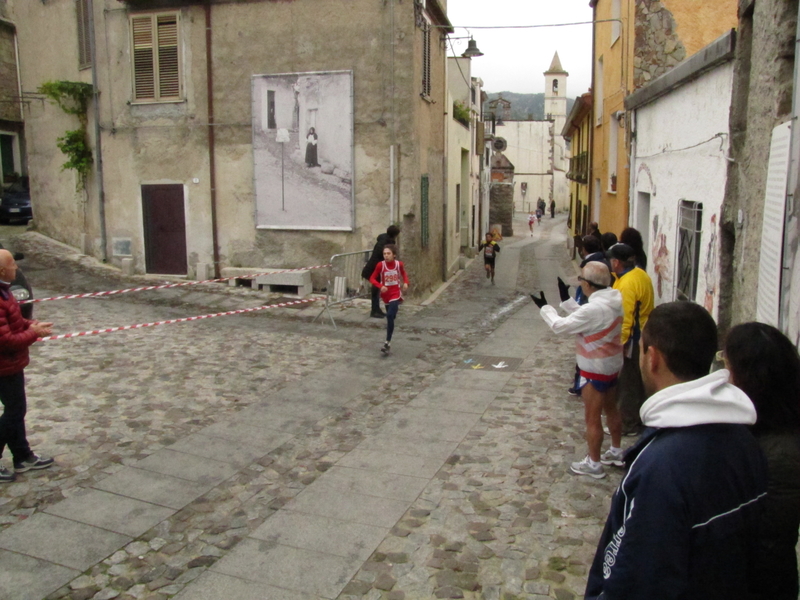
[[217, 586], [454, 399], [60, 541], [430, 424], [153, 487], [371, 483], [259, 435], [369, 510], [109, 511], [408, 445], [27, 578], [186, 466], [295, 569], [313, 532], [237, 452], [392, 462], [474, 379]]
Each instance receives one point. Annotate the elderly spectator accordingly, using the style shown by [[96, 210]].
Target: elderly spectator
[[16, 335], [596, 326]]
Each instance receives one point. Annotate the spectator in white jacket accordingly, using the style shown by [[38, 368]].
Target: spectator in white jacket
[[597, 326]]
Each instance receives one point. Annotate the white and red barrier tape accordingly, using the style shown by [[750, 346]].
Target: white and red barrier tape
[[165, 286], [171, 321]]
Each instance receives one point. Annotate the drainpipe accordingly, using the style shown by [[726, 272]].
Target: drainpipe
[[98, 141], [212, 166]]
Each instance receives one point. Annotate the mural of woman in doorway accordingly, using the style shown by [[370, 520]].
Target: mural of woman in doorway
[[311, 148]]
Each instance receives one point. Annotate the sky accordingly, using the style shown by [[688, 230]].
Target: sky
[[514, 60]]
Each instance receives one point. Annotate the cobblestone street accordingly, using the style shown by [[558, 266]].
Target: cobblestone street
[[266, 456]]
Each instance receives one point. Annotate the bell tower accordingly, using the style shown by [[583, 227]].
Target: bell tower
[[555, 93]]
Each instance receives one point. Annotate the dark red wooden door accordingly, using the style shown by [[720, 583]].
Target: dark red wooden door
[[164, 229]]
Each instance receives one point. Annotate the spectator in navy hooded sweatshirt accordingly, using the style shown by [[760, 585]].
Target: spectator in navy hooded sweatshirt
[[684, 521]]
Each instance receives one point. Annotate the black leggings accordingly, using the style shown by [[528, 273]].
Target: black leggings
[[391, 312]]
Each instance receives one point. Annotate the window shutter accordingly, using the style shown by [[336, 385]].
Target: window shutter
[[423, 221], [426, 60], [168, 67], [143, 58], [84, 49]]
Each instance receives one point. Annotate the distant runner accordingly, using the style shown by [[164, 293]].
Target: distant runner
[[490, 249]]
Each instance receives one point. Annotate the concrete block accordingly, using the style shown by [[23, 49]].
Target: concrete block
[[239, 273], [203, 271], [127, 266], [296, 279]]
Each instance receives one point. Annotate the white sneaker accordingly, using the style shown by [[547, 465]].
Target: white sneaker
[[584, 468], [610, 458]]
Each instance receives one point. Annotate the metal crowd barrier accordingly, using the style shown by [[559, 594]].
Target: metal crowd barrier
[[345, 283]]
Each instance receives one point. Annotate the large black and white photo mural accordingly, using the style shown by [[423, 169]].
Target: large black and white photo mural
[[303, 150]]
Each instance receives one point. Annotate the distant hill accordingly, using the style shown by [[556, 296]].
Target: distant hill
[[527, 107]]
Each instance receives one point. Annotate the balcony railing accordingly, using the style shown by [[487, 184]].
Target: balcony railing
[[579, 168]]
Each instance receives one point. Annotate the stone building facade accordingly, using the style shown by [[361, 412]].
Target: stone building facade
[[636, 41], [12, 131], [195, 134], [763, 85]]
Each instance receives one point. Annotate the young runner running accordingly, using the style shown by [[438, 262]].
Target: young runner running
[[490, 249], [390, 275]]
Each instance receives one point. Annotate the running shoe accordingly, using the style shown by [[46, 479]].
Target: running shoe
[[32, 463], [610, 458], [583, 467]]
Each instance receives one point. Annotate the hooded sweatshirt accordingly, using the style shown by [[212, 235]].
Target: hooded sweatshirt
[[597, 326], [683, 523]]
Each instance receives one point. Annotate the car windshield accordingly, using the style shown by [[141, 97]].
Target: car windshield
[[16, 188]]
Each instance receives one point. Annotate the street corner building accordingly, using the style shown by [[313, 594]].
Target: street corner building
[[238, 133]]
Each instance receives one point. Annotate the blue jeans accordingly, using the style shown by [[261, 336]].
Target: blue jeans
[[12, 421]]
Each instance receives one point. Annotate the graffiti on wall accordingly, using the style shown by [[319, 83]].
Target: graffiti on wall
[[711, 269], [661, 257]]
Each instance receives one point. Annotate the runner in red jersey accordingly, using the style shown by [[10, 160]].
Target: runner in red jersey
[[390, 276]]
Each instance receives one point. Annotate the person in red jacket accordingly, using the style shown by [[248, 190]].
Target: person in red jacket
[[17, 334], [387, 276]]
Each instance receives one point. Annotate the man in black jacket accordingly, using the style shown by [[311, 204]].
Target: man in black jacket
[[683, 523], [390, 237]]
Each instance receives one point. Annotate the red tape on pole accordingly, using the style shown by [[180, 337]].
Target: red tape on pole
[[171, 321], [165, 286]]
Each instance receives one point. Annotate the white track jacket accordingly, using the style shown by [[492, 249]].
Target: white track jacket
[[598, 326]]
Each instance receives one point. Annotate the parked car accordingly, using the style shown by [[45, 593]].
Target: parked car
[[21, 288], [15, 202]]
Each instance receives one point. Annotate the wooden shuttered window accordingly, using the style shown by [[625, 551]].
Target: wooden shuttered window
[[156, 63], [84, 49], [426, 60]]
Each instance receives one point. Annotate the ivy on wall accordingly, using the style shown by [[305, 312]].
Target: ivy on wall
[[73, 98]]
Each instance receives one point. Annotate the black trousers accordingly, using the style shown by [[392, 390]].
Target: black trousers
[[12, 421], [630, 391], [376, 299]]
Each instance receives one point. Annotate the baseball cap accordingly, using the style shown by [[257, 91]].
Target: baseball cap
[[621, 252]]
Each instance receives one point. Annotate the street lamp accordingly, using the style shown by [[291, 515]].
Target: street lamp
[[472, 49]]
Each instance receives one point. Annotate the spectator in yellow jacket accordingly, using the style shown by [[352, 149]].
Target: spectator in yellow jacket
[[637, 302]]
